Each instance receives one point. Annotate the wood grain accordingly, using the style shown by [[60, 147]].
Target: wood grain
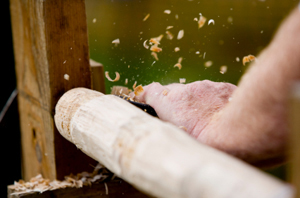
[[50, 40]]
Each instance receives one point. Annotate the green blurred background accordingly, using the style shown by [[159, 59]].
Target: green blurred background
[[242, 27]]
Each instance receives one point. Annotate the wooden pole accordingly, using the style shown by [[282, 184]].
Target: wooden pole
[[156, 157], [50, 42]]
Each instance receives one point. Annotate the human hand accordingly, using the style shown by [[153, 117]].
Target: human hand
[[188, 106]]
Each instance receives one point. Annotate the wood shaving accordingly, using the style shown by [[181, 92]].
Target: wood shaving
[[180, 59], [169, 27], [248, 58], [155, 48], [170, 36], [134, 85], [180, 34], [165, 92], [39, 184], [116, 79], [154, 54], [223, 69], [201, 21], [126, 81], [145, 44], [146, 17], [178, 65], [183, 128], [138, 90], [156, 40], [211, 21], [208, 63], [66, 77], [182, 80], [177, 49], [116, 41], [167, 11]]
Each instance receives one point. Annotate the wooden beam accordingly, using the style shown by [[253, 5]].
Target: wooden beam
[[50, 40], [154, 156]]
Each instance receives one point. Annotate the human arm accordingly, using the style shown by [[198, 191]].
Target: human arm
[[253, 125]]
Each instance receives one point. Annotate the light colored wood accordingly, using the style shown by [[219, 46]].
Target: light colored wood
[[294, 118], [155, 156], [98, 81], [50, 40]]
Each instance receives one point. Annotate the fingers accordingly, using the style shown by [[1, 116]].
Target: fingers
[[151, 93]]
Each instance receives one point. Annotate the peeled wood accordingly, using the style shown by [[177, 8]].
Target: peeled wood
[[153, 155]]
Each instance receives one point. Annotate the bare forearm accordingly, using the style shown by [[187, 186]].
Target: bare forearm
[[255, 120]]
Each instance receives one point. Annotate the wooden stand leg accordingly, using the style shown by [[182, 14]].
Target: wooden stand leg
[[50, 40]]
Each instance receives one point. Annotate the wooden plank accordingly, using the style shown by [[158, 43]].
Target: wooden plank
[[294, 121], [50, 40], [115, 188], [155, 156]]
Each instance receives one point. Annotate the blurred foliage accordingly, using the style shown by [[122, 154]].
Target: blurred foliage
[[241, 28]]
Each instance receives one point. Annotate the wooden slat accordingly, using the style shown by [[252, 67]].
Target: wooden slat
[[50, 40]]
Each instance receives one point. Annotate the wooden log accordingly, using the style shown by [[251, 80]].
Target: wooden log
[[156, 157], [50, 40], [294, 118]]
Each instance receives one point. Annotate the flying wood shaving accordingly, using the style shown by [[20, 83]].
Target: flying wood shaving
[[211, 21], [145, 44], [177, 49], [178, 65], [146, 17], [223, 69], [169, 35], [138, 90], [169, 27], [201, 21], [180, 34], [126, 81], [208, 63], [179, 59], [154, 54], [134, 85], [116, 41], [182, 80], [248, 58], [116, 79], [155, 48], [156, 40], [167, 11]]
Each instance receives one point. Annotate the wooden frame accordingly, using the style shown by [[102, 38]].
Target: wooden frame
[[50, 40]]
